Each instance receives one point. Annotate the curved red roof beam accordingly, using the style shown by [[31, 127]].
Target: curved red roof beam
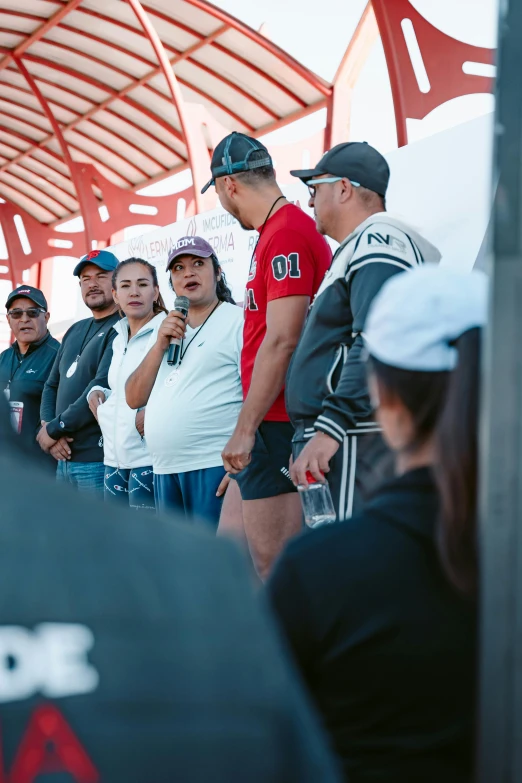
[[40, 32], [90, 138], [87, 221], [81, 150], [290, 93], [312, 78], [179, 103], [179, 56], [83, 93], [425, 65], [115, 94], [81, 118], [211, 40], [89, 114], [157, 70], [49, 188]]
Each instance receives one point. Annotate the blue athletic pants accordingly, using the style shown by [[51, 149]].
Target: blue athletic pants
[[192, 494]]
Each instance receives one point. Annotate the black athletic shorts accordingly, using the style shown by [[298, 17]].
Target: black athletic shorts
[[267, 475]]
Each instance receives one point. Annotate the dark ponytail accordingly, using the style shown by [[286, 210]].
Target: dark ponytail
[[223, 292], [444, 406], [159, 305], [456, 466]]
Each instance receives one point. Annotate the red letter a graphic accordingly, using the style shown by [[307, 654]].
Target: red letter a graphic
[[49, 745]]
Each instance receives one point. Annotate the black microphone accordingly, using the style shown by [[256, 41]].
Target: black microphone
[[181, 304]]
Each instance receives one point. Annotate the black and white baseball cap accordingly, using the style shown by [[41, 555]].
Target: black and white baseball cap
[[417, 316], [355, 160], [233, 154]]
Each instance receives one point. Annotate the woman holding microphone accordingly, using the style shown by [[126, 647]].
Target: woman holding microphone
[[192, 405], [128, 465]]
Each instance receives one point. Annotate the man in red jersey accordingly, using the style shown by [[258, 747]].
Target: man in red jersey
[[286, 269]]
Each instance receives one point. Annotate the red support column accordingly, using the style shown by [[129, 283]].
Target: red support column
[[340, 102], [78, 185], [197, 151], [425, 65]]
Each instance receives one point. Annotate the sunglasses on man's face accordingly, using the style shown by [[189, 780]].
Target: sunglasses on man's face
[[312, 183], [31, 312]]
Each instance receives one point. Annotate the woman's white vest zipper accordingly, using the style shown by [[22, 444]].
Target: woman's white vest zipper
[[123, 446]]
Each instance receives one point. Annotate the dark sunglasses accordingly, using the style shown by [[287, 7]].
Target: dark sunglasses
[[31, 312]]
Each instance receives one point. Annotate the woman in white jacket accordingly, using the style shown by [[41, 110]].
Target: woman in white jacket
[[128, 465]]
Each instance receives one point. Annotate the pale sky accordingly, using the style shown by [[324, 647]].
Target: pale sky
[[318, 33]]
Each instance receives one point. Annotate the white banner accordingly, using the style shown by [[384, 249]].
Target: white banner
[[440, 185], [232, 244]]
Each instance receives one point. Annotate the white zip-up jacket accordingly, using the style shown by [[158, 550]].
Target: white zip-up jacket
[[123, 446]]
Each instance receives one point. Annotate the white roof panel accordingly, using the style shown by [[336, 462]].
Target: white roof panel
[[98, 71]]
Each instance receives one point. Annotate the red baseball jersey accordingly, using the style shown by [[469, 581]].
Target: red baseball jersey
[[291, 259]]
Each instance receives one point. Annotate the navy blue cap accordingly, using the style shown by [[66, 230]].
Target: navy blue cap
[[355, 160], [233, 155], [27, 291], [102, 258]]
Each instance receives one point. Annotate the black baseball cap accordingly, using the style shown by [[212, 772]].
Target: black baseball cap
[[34, 294], [102, 258], [232, 155], [355, 160]]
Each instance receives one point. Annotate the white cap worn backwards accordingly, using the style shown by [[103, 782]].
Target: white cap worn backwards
[[417, 315]]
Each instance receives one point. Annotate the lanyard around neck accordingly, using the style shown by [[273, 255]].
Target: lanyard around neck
[[183, 352]]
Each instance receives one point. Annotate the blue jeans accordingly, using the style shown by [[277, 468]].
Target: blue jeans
[[192, 494], [130, 487], [84, 476]]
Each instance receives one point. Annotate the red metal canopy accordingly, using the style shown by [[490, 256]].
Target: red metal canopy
[[90, 81], [99, 98]]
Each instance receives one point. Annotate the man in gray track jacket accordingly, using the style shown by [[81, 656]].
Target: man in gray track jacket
[[326, 390]]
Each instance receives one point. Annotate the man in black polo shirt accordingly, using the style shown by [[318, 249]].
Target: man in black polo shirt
[[25, 365], [69, 430]]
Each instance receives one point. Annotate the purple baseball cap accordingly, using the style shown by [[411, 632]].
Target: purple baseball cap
[[190, 246]]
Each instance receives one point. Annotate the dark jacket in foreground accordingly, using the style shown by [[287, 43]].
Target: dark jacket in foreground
[[326, 384], [25, 375], [138, 657], [386, 645], [64, 401]]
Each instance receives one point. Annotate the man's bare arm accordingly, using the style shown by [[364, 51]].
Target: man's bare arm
[[284, 323], [285, 318]]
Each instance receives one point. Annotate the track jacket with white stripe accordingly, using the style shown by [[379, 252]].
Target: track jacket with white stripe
[[326, 384]]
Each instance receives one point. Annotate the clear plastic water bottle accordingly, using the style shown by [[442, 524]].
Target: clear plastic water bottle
[[317, 502]]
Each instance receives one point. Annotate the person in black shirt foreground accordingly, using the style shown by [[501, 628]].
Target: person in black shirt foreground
[[25, 365], [379, 610], [123, 665], [69, 431]]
